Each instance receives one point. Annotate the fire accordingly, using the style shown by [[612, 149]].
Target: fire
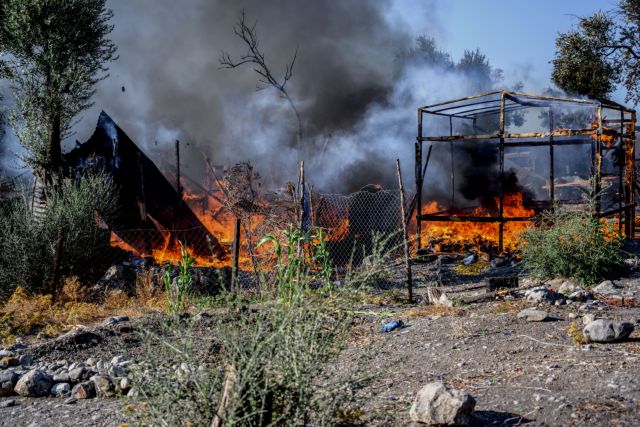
[[608, 136], [217, 220], [483, 236]]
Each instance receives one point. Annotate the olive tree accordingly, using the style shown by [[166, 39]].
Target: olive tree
[[602, 51], [53, 53]]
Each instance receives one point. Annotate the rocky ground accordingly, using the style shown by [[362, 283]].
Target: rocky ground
[[522, 368]]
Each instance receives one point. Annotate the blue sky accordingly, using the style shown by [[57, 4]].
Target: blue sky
[[517, 35]]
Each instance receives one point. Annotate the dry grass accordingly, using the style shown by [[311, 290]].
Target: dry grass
[[575, 333], [471, 269], [433, 311], [506, 307], [27, 314]]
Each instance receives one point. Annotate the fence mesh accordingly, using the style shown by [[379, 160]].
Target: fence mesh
[[356, 227]]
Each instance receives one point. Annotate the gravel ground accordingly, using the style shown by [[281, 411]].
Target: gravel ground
[[519, 372]]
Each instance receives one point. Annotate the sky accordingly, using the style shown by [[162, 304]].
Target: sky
[[517, 36], [168, 85]]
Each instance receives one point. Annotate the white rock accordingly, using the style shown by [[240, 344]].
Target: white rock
[[533, 315], [34, 383], [604, 330], [437, 404]]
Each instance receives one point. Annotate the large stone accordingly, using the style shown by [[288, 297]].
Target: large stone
[[607, 288], [60, 390], [77, 374], [8, 380], [115, 272], [85, 390], [103, 385], [539, 295], [568, 287], [533, 315], [438, 404], [605, 330], [34, 383]]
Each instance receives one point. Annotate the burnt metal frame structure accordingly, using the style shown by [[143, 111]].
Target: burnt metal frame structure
[[472, 107]]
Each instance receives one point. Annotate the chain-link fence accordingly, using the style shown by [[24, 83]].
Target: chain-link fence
[[357, 228]]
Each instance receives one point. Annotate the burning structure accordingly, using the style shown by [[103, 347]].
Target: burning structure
[[518, 154], [147, 200]]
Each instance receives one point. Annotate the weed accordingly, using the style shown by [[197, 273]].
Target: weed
[[569, 244], [575, 334], [178, 289]]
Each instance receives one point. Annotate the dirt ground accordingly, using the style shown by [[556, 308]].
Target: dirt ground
[[519, 372]]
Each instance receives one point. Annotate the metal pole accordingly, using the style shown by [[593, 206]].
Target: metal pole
[[501, 196], [419, 178], [453, 177], [407, 263]]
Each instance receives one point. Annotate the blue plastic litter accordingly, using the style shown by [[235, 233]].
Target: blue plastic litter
[[391, 326]]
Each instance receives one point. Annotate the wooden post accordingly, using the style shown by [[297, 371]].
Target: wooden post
[[301, 189], [552, 183], [622, 160], [598, 171], [236, 255], [57, 260], [501, 195], [407, 262]]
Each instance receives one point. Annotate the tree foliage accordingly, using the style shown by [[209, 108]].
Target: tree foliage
[[53, 52], [602, 51]]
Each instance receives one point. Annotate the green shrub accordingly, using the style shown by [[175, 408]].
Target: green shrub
[[28, 246], [569, 244], [270, 360], [178, 289]]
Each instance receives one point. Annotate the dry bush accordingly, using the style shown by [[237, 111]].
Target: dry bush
[[506, 307], [72, 291], [575, 333]]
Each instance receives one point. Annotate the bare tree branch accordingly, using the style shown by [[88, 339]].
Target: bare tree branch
[[255, 56]]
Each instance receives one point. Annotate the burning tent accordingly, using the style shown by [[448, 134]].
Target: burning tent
[[147, 200]]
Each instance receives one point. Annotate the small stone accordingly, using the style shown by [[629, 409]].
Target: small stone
[[77, 374], [533, 315], [572, 316], [588, 318], [7, 403], [604, 330], [125, 384], [568, 287], [117, 360], [34, 383], [133, 393], [8, 380], [70, 401], [10, 361], [580, 295], [6, 353], [115, 272], [438, 404], [85, 390], [25, 360], [61, 377], [60, 390], [117, 371], [115, 320], [91, 361], [103, 385], [539, 295]]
